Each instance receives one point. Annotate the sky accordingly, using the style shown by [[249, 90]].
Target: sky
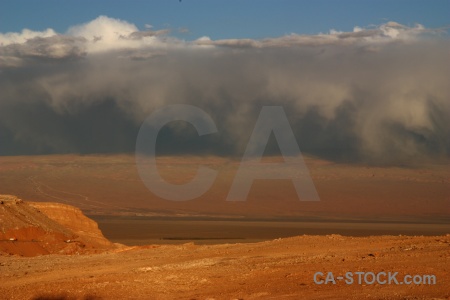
[[226, 19], [360, 81]]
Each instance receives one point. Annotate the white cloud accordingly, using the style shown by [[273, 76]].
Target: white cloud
[[105, 33], [334, 31], [108, 34], [21, 37], [392, 29]]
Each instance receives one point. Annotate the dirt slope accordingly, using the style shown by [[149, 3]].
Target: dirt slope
[[29, 229], [73, 219]]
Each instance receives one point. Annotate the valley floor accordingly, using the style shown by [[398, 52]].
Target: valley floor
[[277, 269]]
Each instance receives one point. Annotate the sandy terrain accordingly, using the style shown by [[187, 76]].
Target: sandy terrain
[[278, 269], [364, 201], [38, 262], [106, 185]]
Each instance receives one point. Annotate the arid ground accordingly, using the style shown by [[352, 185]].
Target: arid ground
[[110, 185], [278, 269], [369, 219]]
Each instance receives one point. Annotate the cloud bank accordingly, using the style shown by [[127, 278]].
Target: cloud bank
[[373, 95]]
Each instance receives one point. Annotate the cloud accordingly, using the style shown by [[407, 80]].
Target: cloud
[[106, 34], [373, 95], [104, 30], [55, 47], [26, 34], [385, 33]]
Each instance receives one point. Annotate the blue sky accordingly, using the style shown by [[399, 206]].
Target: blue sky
[[226, 19]]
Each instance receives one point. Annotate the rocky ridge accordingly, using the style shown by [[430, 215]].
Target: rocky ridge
[[37, 228]]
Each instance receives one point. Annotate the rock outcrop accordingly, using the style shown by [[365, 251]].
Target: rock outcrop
[[36, 228], [73, 219]]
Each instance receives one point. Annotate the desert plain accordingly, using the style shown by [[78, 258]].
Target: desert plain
[[135, 245]]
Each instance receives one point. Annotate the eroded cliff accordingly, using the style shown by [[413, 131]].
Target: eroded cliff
[[36, 228]]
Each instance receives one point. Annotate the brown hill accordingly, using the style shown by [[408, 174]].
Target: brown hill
[[32, 228]]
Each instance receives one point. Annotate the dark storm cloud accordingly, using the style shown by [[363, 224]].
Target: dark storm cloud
[[378, 95]]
